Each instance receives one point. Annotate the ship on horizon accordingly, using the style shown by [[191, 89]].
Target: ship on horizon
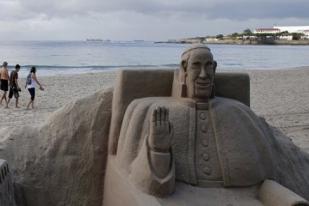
[[98, 40]]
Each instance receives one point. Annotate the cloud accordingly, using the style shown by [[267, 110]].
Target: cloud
[[140, 19], [12, 10], [261, 9], [235, 9]]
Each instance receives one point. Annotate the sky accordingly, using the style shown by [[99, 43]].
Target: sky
[[143, 19]]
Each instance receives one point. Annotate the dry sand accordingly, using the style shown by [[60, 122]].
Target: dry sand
[[280, 96], [59, 90]]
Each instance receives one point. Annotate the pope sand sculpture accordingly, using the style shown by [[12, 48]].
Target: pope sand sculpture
[[203, 140]]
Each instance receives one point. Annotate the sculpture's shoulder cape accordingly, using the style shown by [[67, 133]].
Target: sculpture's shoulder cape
[[249, 150]]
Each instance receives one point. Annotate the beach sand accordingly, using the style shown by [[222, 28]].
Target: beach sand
[[280, 96]]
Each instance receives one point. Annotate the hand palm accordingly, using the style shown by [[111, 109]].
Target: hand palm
[[160, 130]]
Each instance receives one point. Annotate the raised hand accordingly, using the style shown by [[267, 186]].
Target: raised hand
[[160, 136]]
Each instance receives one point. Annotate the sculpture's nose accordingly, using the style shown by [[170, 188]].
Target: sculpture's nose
[[203, 73]]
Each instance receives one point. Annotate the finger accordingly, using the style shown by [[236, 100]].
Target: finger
[[154, 114], [161, 115], [165, 114], [158, 115]]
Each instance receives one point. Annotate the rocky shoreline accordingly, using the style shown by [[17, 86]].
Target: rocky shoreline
[[237, 42]]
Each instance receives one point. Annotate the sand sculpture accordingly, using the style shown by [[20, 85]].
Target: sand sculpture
[[6, 185], [164, 137], [61, 162], [173, 140]]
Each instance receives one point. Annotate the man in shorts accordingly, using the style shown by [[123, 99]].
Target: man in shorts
[[14, 87], [4, 80]]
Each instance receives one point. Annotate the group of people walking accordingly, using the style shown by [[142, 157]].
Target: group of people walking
[[9, 83]]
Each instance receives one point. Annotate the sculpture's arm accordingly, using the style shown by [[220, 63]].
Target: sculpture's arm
[[153, 170]]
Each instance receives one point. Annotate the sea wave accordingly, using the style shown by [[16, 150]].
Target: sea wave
[[51, 70], [94, 67]]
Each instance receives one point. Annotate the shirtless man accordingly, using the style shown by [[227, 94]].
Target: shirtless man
[[4, 78]]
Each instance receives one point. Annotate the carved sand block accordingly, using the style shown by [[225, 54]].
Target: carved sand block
[[6, 185], [188, 137]]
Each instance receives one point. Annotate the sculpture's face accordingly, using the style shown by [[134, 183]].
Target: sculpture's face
[[200, 74]]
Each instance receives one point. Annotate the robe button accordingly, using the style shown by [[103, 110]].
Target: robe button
[[205, 156], [203, 115], [204, 128], [207, 170], [205, 142]]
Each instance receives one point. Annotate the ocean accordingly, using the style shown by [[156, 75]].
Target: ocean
[[75, 57]]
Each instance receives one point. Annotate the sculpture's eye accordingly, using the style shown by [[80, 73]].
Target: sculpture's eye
[[209, 64], [196, 64]]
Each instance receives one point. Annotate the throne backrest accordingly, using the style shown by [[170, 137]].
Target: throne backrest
[[133, 84]]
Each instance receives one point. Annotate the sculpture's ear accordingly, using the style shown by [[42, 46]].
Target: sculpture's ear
[[213, 89], [182, 77], [184, 65], [215, 65]]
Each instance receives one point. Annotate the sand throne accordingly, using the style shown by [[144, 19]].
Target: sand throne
[[134, 84]]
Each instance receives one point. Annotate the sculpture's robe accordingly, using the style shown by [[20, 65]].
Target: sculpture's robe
[[248, 150]]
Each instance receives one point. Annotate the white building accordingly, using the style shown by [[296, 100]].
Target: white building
[[266, 31], [288, 37], [292, 29], [306, 32], [278, 29]]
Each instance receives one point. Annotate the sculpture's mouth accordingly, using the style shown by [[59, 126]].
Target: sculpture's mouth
[[202, 88], [202, 84]]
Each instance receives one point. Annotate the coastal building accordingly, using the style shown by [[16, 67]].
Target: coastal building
[[266, 31], [286, 37], [211, 39], [306, 32], [278, 29], [292, 29]]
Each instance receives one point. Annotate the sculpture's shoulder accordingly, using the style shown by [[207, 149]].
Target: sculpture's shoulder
[[226, 106], [240, 131], [153, 102], [227, 111], [222, 102]]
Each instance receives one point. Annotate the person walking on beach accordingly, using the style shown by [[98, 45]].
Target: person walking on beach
[[4, 80], [14, 87], [30, 85]]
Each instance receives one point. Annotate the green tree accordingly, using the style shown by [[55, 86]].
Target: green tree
[[219, 36], [247, 32], [297, 36], [284, 33], [235, 34]]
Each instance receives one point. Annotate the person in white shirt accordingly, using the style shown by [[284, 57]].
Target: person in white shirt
[[31, 84]]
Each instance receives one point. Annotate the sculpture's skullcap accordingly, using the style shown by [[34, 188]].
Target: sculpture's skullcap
[[195, 46], [5, 64]]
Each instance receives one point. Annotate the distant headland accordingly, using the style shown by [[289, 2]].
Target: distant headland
[[277, 35]]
